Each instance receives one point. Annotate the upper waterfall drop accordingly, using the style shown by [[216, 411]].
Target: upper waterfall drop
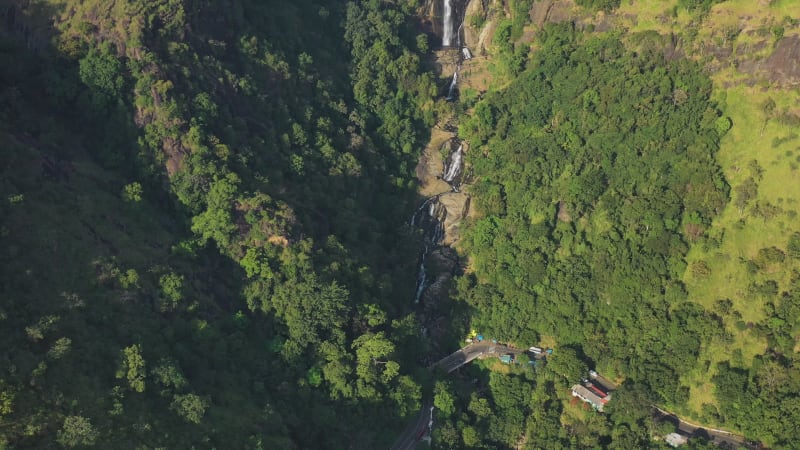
[[447, 26]]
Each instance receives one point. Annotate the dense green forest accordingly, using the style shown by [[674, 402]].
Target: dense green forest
[[598, 171], [594, 173], [204, 237], [203, 209]]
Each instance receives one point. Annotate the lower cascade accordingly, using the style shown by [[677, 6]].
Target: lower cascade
[[430, 216], [454, 167], [452, 89]]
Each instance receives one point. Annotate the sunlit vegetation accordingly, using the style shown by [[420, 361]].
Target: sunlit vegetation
[[203, 237], [572, 205]]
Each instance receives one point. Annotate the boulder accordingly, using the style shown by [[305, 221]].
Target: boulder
[[442, 264]]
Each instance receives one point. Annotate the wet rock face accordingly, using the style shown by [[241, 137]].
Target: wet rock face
[[429, 167], [431, 16], [454, 164], [781, 68], [441, 217], [432, 8], [442, 264], [443, 260]]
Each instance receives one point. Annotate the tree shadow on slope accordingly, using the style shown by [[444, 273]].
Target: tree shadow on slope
[[94, 271]]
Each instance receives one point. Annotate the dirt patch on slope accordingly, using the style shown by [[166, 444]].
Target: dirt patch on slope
[[553, 11]]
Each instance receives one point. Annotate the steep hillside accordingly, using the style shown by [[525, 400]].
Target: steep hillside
[[203, 219], [205, 240], [598, 215]]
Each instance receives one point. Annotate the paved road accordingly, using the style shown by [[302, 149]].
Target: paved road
[[723, 438], [408, 438], [720, 437]]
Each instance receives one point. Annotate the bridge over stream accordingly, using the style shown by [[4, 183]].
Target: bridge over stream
[[471, 352], [408, 438]]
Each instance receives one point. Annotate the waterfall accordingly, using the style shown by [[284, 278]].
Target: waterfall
[[434, 229], [413, 221], [451, 91], [454, 168], [458, 32], [430, 428], [447, 34], [467, 55], [430, 217], [421, 277]]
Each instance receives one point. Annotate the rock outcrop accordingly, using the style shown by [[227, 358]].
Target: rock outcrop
[[479, 39], [475, 8], [457, 206], [429, 167], [783, 65]]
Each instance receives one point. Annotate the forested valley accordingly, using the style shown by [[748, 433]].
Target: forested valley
[[202, 223], [205, 238]]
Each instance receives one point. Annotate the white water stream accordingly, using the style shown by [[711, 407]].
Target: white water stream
[[454, 168], [452, 89], [447, 33]]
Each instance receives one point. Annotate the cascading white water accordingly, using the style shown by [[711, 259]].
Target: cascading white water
[[434, 232], [438, 233], [454, 169], [430, 427], [451, 91], [433, 225], [413, 221], [421, 277], [447, 26], [458, 31]]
